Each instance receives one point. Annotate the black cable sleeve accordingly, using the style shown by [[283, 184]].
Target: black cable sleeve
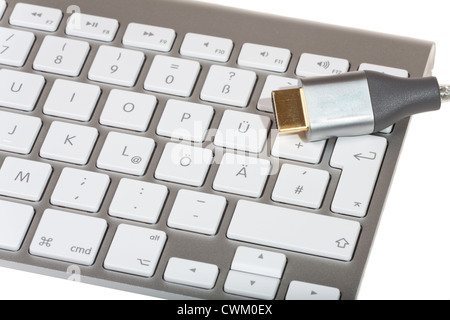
[[394, 98]]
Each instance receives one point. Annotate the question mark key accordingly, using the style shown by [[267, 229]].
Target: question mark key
[[229, 86]]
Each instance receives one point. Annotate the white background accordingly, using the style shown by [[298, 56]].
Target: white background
[[410, 258]]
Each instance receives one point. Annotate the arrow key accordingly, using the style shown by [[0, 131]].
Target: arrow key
[[251, 285], [307, 291], [261, 262], [191, 273]]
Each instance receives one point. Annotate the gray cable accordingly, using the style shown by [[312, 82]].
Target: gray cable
[[445, 93]]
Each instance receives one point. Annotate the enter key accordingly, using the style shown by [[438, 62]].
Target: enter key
[[360, 159]]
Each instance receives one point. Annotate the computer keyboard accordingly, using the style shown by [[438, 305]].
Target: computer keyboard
[[139, 150]]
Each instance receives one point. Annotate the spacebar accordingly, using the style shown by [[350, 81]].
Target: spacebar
[[294, 230]]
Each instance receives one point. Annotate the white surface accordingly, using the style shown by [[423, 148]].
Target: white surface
[[301, 186], [15, 46], [229, 86], [173, 76], [68, 237], [306, 291], [128, 110], [69, 143], [24, 179], [138, 201], [294, 230], [2, 7], [61, 56], [184, 164], [251, 285], [314, 65], [242, 175], [197, 212], [262, 262], [72, 100], [126, 153], [394, 270], [80, 189], [14, 222], [206, 47], [243, 131], [36, 17], [360, 159], [292, 147], [185, 120], [20, 90], [117, 66], [92, 27], [149, 37], [191, 273], [263, 57], [135, 250], [18, 132]]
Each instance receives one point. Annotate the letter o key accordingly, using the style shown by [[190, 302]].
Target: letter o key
[[128, 107]]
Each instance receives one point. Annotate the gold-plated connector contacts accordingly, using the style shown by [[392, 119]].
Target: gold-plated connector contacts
[[290, 110]]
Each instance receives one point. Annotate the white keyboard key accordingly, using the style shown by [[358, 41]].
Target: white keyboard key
[[229, 86], [309, 292], [138, 201], [149, 37], [264, 263], [20, 90], [316, 65], [294, 230], [18, 133], [360, 159], [68, 237], [301, 186], [197, 212], [243, 131], [24, 179], [185, 120], [69, 143], [292, 147], [116, 66], [36, 17], [206, 47], [172, 76], [15, 45], [128, 110], [72, 100], [191, 273], [15, 220], [80, 189], [251, 285], [264, 57], [383, 69], [135, 250], [126, 153], [388, 130], [2, 7], [275, 83], [184, 164], [62, 56], [242, 175], [92, 27]]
